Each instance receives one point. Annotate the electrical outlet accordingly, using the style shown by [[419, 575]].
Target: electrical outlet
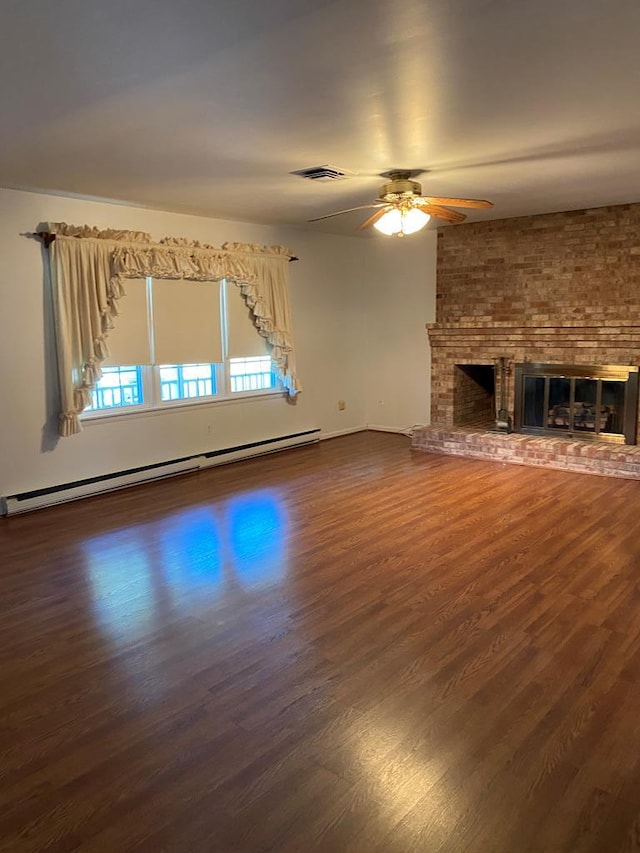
[[341, 405]]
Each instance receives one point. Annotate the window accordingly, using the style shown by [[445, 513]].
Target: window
[[119, 388], [192, 341], [251, 374], [186, 381]]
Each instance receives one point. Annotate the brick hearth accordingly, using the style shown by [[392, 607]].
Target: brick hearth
[[559, 288], [587, 457]]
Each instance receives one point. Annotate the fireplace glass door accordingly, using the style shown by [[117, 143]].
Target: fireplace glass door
[[579, 402]]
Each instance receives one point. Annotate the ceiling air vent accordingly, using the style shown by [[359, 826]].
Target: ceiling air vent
[[323, 173]]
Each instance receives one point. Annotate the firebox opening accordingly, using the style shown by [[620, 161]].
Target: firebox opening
[[474, 395]]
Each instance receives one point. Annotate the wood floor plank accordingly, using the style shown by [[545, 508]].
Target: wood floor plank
[[344, 647]]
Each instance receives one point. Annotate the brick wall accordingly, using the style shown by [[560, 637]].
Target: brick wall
[[581, 267], [559, 288]]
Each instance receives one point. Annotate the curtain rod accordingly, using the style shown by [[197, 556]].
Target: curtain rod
[[47, 239]]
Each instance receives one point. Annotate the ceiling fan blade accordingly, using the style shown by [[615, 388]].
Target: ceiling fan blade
[[458, 202], [348, 210], [374, 218], [442, 213]]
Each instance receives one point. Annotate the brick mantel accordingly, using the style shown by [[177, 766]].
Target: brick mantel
[[561, 335]]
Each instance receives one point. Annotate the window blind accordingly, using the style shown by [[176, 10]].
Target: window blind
[[128, 341], [186, 322]]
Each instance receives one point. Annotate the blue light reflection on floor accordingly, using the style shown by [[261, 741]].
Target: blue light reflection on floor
[[191, 550], [257, 526], [136, 573]]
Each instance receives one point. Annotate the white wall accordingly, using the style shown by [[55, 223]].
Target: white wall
[[400, 298], [353, 301]]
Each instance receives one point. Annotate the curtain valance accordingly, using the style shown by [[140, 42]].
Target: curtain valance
[[191, 263], [89, 269]]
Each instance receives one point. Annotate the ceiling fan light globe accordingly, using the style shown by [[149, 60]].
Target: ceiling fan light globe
[[414, 220], [396, 222], [390, 223]]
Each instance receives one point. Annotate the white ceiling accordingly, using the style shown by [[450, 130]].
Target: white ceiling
[[205, 107]]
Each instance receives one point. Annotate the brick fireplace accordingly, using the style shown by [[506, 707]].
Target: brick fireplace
[[560, 288]]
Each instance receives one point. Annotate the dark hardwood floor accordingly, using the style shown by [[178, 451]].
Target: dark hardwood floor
[[346, 647]]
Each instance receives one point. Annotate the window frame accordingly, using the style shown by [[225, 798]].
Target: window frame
[[152, 402]]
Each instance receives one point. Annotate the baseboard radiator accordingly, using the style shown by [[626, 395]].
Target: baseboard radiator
[[40, 498]]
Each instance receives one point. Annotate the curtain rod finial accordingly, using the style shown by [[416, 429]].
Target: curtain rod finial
[[46, 237]]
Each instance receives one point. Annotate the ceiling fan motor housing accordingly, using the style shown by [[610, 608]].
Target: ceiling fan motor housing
[[400, 187]]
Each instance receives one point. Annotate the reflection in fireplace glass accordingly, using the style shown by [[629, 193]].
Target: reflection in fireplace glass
[[559, 409], [533, 401], [585, 411], [613, 399]]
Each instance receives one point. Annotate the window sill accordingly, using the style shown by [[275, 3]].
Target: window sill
[[131, 413]]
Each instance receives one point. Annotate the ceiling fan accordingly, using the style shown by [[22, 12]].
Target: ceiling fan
[[402, 209]]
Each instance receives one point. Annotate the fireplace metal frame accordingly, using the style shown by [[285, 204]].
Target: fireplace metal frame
[[623, 373]]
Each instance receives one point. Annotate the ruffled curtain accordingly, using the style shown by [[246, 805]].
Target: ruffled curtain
[[85, 296], [89, 269]]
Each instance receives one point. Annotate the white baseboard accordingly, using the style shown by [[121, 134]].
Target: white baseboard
[[338, 432], [73, 491], [62, 493], [259, 449], [398, 430], [57, 495], [372, 427]]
